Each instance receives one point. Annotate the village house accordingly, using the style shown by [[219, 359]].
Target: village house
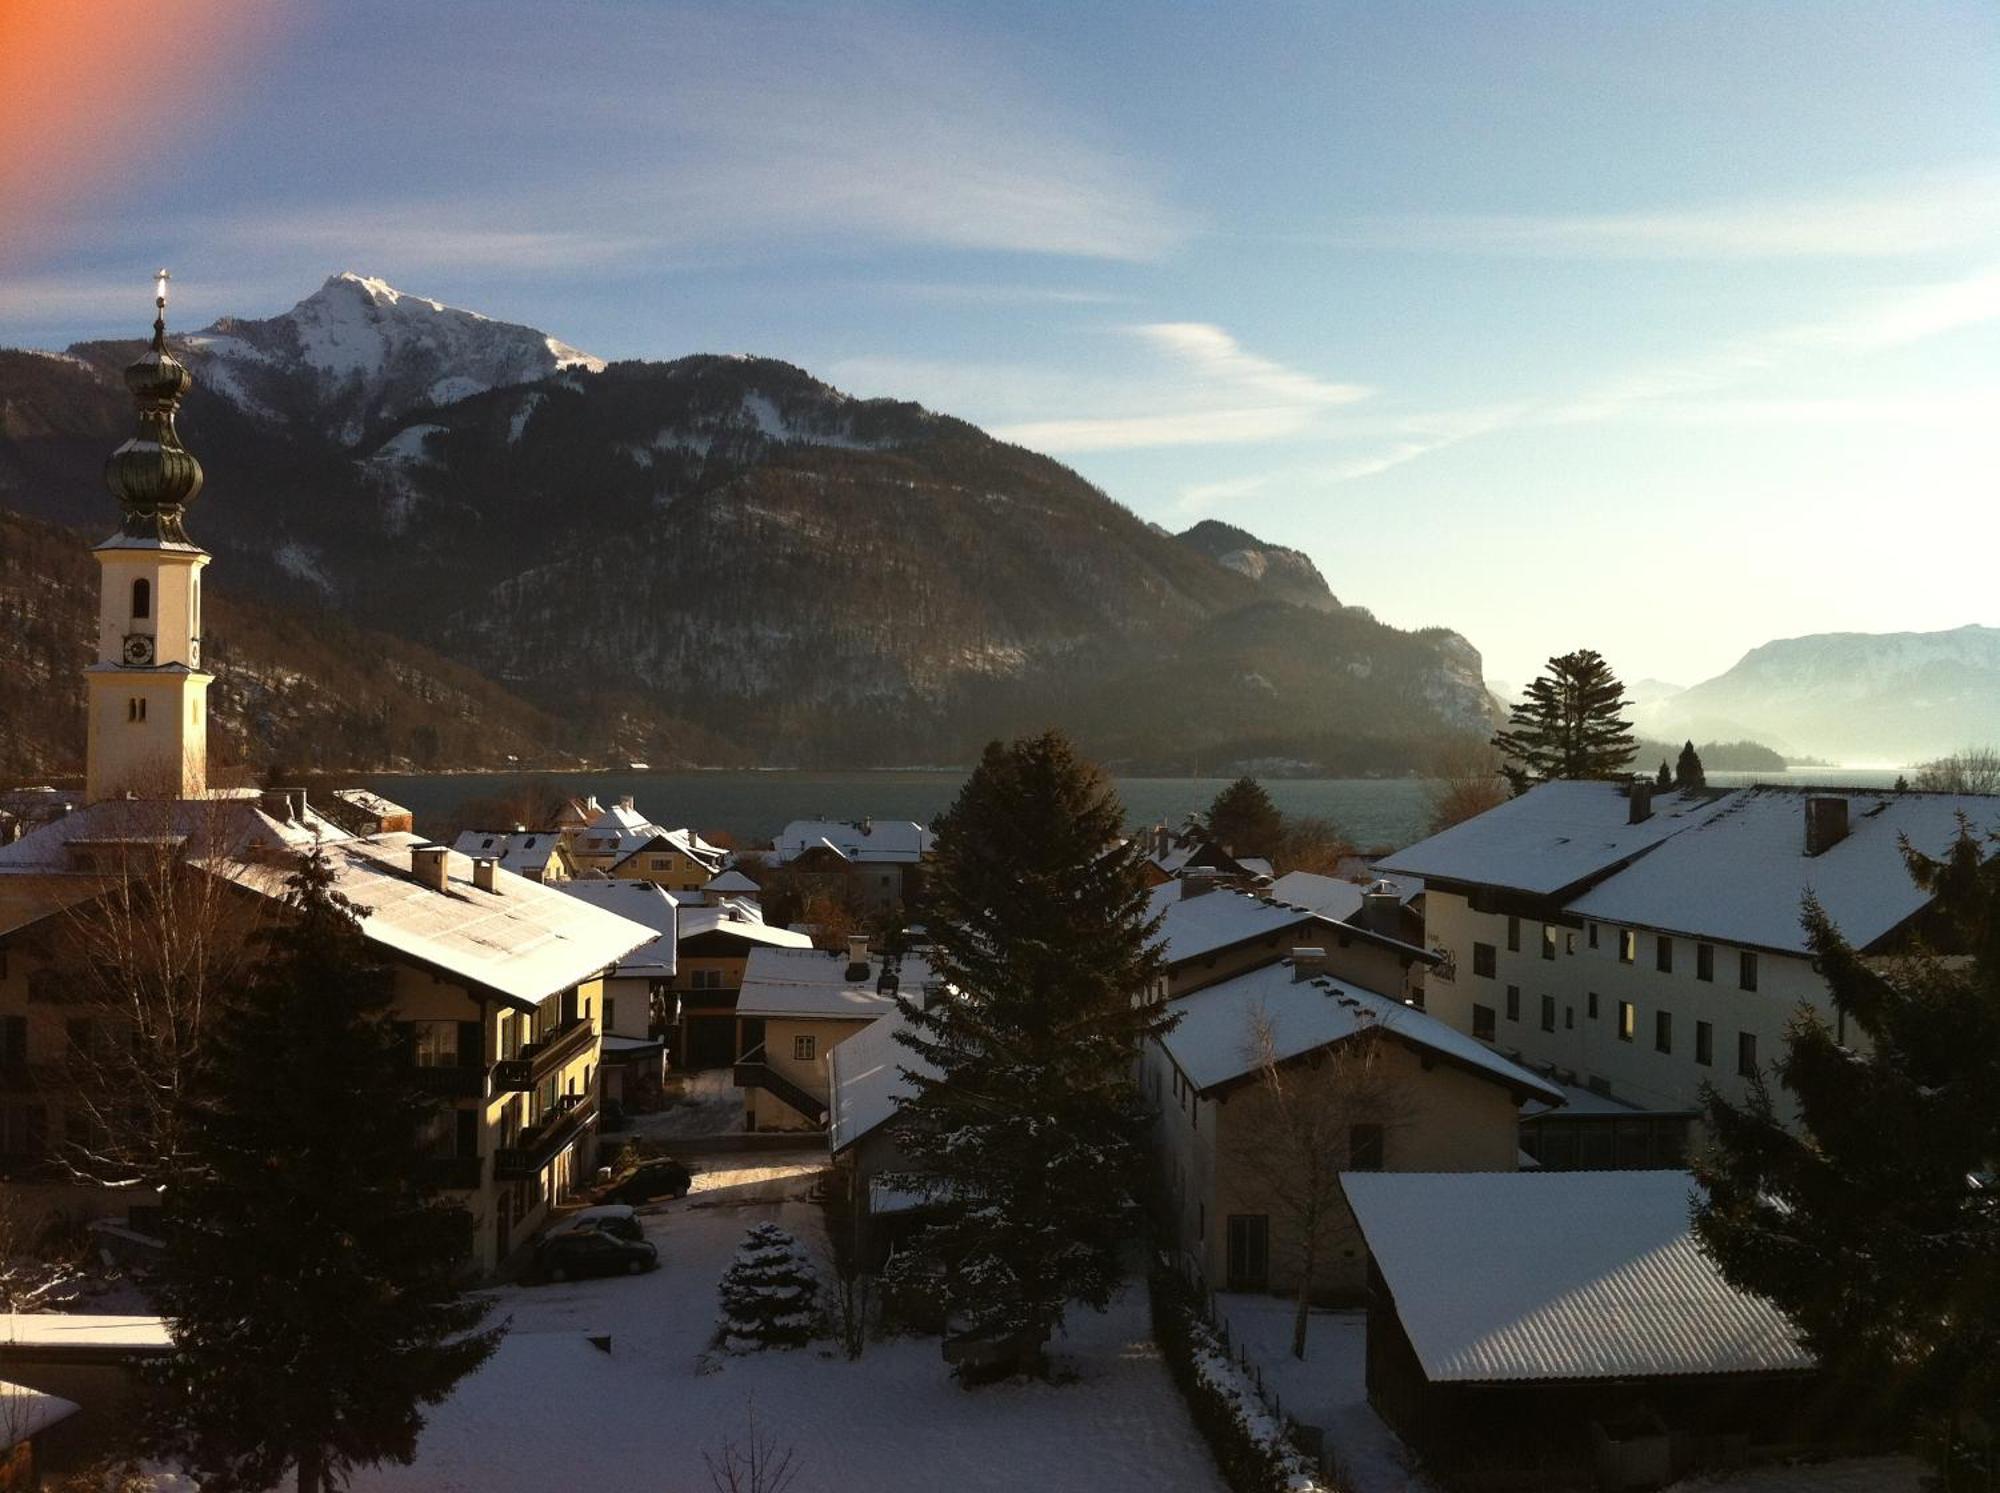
[[796, 1007], [1641, 945], [871, 865], [1208, 934], [1433, 1099], [538, 854], [715, 944], [868, 1078], [638, 993], [1169, 856], [497, 981], [1564, 1330], [623, 844]]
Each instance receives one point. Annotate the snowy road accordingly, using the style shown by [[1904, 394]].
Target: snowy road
[[551, 1411]]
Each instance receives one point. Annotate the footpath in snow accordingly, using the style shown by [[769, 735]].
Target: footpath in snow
[[551, 1411]]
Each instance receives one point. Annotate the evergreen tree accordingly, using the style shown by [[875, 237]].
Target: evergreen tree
[[310, 1278], [1664, 779], [1874, 1223], [1688, 771], [1568, 727], [1244, 819], [1027, 1139], [768, 1294]]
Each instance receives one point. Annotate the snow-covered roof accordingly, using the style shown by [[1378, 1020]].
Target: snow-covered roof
[[731, 880], [868, 840], [813, 982], [1552, 838], [521, 940], [83, 1331], [523, 851], [26, 1412], [227, 823], [1195, 927], [868, 1077], [735, 921], [1328, 896], [1560, 1275], [370, 803], [1740, 875], [642, 902], [1213, 1043]]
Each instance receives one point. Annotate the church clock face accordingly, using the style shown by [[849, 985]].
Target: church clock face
[[138, 648]]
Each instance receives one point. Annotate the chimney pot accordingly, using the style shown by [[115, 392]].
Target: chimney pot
[[482, 872], [1308, 964], [1382, 908], [427, 865], [625, 803], [1640, 807], [1826, 822], [857, 958]]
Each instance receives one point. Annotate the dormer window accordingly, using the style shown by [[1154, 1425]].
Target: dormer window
[[142, 599]]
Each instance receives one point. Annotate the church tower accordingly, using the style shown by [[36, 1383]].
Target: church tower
[[148, 692]]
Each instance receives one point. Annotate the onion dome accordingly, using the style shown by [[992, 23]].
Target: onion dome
[[153, 476]]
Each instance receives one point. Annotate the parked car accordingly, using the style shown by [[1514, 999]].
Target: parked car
[[652, 1179], [577, 1253], [617, 1219]]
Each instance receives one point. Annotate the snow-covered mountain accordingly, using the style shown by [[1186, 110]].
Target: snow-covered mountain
[[1852, 697], [358, 352]]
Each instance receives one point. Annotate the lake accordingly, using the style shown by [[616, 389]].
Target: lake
[[754, 806]]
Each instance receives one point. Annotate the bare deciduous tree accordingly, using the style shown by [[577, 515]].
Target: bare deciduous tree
[[754, 1464], [1465, 782], [1320, 1113], [1968, 770]]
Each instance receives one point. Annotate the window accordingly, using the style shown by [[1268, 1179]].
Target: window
[[13, 1039], [805, 1049], [1746, 1054], [1593, 935], [1746, 970], [1569, 1018], [1704, 1044], [1548, 942], [142, 599], [23, 1130], [659, 863], [1364, 1148], [1548, 1013], [1484, 959], [1513, 1002], [1628, 1021], [1663, 1031], [706, 979], [1482, 1022], [135, 708], [1628, 946], [1663, 954], [1569, 943], [1513, 935], [1704, 961], [1591, 1010], [1249, 1264]]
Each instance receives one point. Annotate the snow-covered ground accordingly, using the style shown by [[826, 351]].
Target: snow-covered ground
[[551, 1411], [1848, 1475], [708, 1103], [1328, 1389]]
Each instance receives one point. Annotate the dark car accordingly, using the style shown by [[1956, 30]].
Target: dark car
[[577, 1253], [616, 1219], [653, 1179]]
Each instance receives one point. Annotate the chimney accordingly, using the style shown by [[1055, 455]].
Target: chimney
[[482, 872], [857, 957], [1382, 909], [1163, 840], [427, 865], [1196, 884], [1640, 808], [867, 826], [1308, 964], [286, 805], [1826, 822], [625, 803]]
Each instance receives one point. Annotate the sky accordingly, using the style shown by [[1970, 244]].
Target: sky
[[1663, 329]]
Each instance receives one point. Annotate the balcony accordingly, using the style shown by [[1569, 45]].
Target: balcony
[[451, 1083], [536, 1148], [452, 1173], [539, 1059]]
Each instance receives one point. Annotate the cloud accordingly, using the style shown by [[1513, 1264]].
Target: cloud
[[1183, 428], [1922, 214], [1216, 358]]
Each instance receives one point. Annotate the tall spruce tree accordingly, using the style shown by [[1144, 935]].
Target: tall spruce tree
[[1027, 1139], [1875, 1223], [1569, 725], [1244, 819], [311, 1278]]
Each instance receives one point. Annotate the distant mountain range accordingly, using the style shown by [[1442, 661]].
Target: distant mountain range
[[715, 559], [1851, 697]]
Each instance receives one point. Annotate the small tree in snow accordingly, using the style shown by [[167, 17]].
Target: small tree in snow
[[768, 1295], [756, 1464], [1688, 772], [1664, 779]]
